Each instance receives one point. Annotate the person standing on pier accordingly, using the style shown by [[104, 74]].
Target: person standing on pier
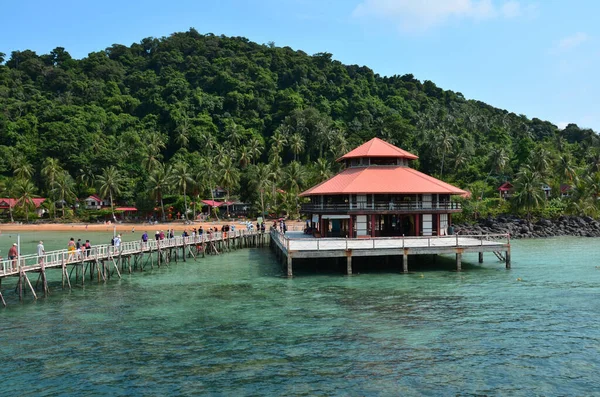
[[117, 243], [41, 252], [144, 240], [12, 255], [88, 248]]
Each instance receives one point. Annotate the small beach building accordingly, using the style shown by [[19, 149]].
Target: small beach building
[[506, 190], [378, 194], [94, 202]]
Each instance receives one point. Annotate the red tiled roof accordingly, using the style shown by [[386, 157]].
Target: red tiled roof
[[213, 203], [125, 209], [12, 202], [378, 148], [506, 186], [382, 180], [95, 198]]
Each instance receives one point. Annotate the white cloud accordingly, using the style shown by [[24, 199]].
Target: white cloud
[[569, 42], [421, 15], [511, 9]]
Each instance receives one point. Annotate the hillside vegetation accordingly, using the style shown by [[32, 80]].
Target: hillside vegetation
[[166, 120]]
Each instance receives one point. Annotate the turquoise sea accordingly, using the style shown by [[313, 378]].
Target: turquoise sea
[[231, 325]]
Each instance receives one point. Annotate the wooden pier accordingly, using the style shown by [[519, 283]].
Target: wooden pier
[[103, 261], [295, 246]]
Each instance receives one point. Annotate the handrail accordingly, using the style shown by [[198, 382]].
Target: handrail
[[372, 243], [107, 251], [385, 206]]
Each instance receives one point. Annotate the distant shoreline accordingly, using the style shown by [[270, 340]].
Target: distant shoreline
[[128, 227]]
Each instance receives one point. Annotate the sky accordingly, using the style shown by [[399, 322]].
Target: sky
[[538, 58]]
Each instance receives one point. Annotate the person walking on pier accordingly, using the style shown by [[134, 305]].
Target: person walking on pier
[[41, 252], [71, 249], [78, 246], [12, 255]]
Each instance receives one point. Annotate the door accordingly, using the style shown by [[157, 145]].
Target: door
[[361, 225], [427, 223]]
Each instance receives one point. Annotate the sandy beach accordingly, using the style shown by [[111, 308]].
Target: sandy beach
[[128, 227]]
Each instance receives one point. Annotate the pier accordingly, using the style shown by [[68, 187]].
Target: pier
[[292, 246], [101, 262]]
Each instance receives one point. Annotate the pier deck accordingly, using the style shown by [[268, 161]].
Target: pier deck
[[295, 246], [101, 260]]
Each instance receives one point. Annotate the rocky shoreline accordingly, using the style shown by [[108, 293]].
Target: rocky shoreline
[[580, 226]]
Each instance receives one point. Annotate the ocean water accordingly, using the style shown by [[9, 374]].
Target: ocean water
[[231, 325]]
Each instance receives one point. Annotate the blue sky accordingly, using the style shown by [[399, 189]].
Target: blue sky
[[538, 58]]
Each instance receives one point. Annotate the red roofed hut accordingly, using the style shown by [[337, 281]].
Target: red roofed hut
[[378, 194]]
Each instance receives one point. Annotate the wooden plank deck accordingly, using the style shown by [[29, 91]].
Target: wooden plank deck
[[53, 259], [101, 260], [296, 246]]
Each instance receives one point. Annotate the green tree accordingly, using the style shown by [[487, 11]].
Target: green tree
[[25, 192], [110, 183], [50, 172], [183, 178], [64, 189], [229, 177], [528, 191], [159, 182]]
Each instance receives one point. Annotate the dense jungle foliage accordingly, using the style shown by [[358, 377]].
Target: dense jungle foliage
[[167, 120]]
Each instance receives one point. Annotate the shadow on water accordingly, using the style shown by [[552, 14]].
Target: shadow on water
[[380, 265]]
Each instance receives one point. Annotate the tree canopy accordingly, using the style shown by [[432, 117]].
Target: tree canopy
[[229, 104]]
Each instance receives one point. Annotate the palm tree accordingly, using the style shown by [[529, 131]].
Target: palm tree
[[86, 177], [261, 174], [539, 161], [528, 189], [294, 177], [255, 148], [110, 183], [22, 169], [50, 171], [278, 141], [498, 161], [323, 170], [244, 156], [442, 143], [296, 143], [154, 145], [183, 177], [211, 176], [229, 176], [64, 189], [160, 181], [25, 192], [234, 134], [565, 170]]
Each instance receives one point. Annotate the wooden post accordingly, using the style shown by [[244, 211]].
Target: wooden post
[[481, 257], [289, 266], [349, 263], [507, 256], [459, 261]]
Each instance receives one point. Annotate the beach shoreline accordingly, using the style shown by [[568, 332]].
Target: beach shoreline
[[129, 227]]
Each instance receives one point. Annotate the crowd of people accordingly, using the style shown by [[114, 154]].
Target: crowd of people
[[80, 250]]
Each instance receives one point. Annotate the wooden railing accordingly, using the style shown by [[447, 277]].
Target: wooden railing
[[416, 206], [99, 252], [317, 244]]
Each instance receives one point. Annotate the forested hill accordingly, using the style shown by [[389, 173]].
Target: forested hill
[[224, 105]]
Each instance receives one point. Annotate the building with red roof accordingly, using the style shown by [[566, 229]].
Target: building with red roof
[[378, 194]]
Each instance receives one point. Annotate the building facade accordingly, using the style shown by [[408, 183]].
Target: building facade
[[378, 194]]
